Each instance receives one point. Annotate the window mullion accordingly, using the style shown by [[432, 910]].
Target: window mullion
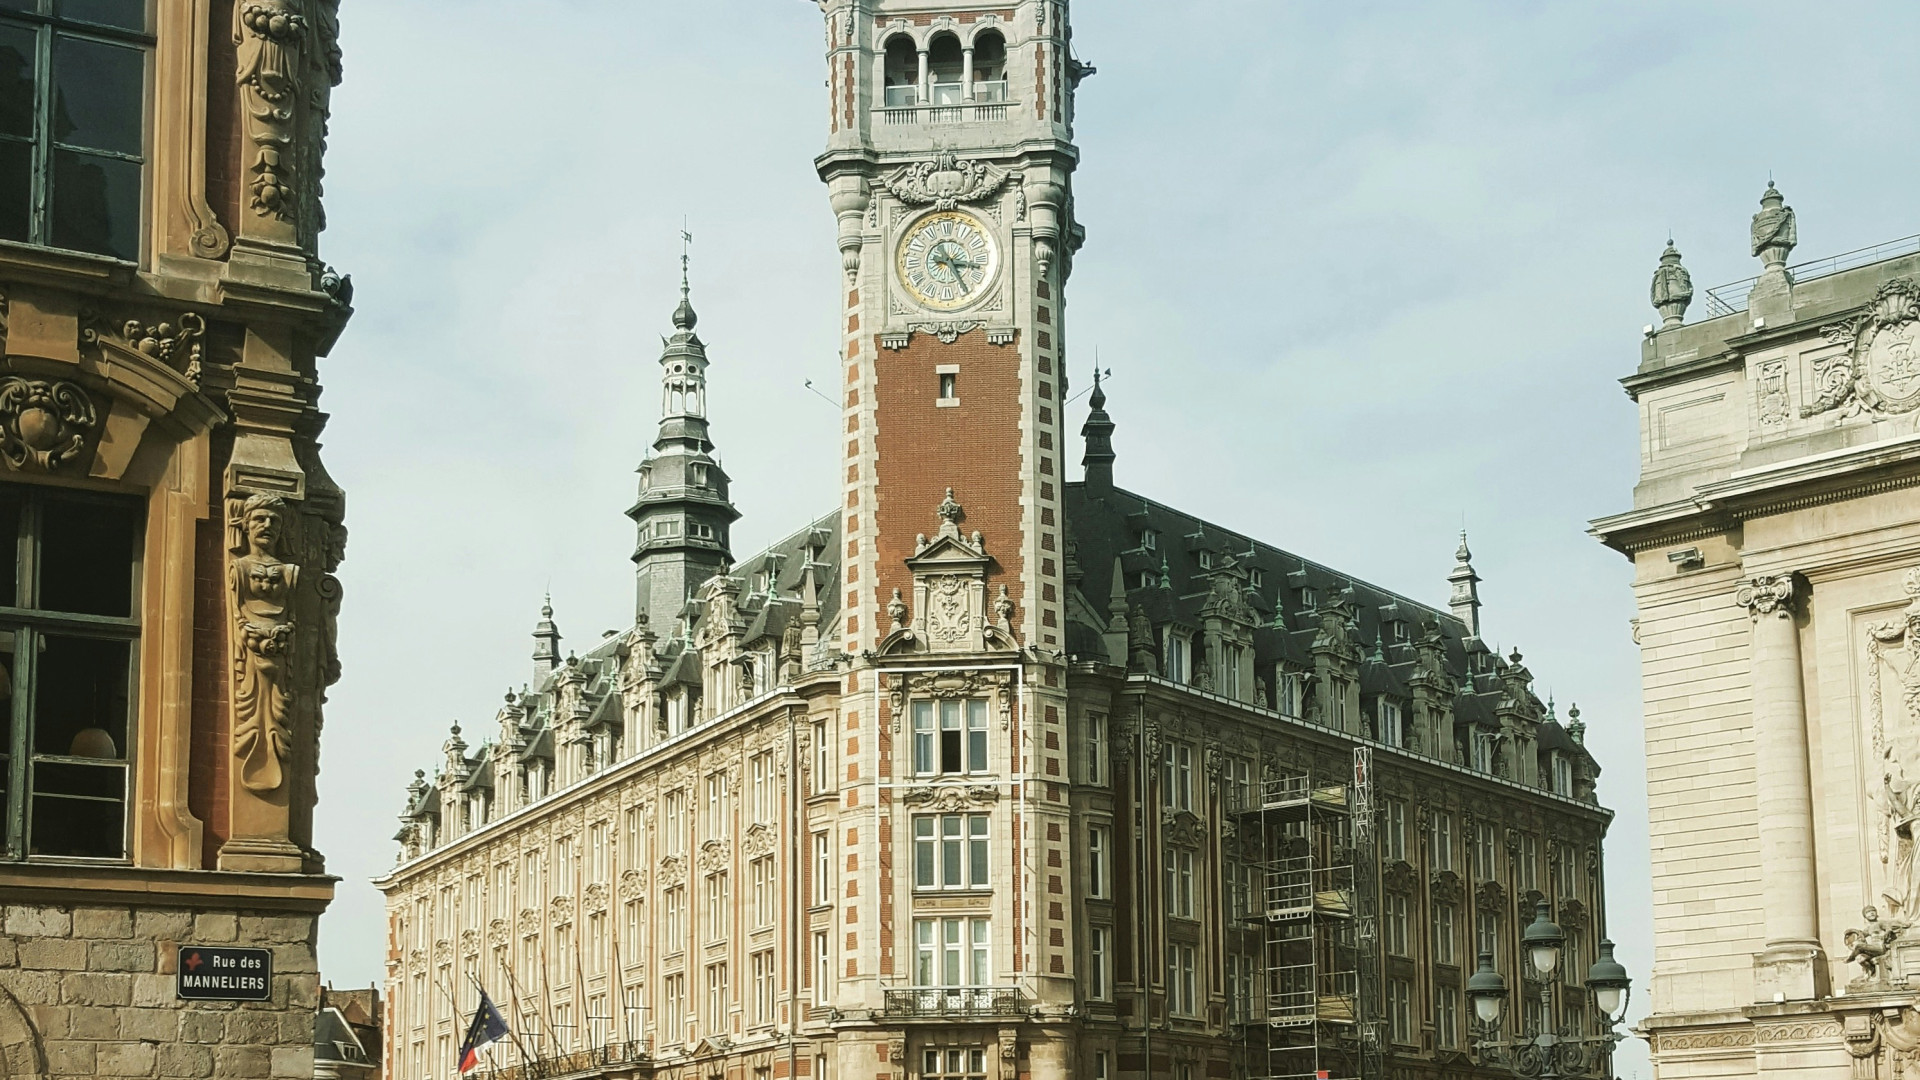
[[25, 648], [42, 135]]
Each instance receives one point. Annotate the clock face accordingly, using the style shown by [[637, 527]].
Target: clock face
[[947, 260]]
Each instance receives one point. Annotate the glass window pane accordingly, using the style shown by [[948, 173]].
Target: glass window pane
[[11, 503], [87, 553], [126, 14], [80, 697], [95, 205], [16, 80], [97, 94], [16, 191], [20, 5], [79, 810]]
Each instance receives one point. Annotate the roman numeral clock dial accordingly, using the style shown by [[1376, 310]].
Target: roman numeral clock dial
[[947, 260]]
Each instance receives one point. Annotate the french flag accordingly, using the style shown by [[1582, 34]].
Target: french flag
[[488, 1026]]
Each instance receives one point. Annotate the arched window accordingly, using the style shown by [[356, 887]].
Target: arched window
[[989, 66], [946, 63], [902, 71]]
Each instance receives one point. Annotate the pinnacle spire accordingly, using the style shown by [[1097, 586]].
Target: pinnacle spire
[[1465, 599], [1097, 464]]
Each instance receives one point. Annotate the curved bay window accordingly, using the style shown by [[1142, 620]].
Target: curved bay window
[[69, 647], [950, 736], [73, 77]]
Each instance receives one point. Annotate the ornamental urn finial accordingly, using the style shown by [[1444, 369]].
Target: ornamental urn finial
[[1672, 288]]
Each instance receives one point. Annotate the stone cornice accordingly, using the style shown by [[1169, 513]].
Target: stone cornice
[[1851, 473], [69, 883]]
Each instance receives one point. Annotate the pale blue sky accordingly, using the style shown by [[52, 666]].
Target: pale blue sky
[[1362, 271]]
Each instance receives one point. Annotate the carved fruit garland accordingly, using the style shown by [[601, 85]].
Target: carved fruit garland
[[269, 36]]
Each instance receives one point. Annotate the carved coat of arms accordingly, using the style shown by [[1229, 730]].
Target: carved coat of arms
[[1880, 371]]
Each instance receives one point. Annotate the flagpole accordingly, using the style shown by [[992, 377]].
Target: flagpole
[[512, 1032], [513, 985]]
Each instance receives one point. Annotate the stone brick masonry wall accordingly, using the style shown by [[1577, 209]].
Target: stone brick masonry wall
[[92, 995]]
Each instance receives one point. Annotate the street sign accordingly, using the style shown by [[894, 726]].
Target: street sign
[[220, 973]]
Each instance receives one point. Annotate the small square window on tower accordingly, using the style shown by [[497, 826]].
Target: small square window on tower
[[949, 377]]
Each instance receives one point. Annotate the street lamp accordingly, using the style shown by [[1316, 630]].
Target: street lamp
[[1549, 1054]]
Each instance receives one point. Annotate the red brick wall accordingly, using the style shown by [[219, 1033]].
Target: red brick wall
[[922, 449], [207, 769]]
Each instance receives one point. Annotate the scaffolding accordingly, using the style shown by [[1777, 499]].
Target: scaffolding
[[1303, 935]]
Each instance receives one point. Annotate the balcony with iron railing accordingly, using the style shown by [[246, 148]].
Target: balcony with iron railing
[[953, 1002]]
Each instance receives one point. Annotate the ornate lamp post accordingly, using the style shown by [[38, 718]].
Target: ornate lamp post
[[1549, 1054]]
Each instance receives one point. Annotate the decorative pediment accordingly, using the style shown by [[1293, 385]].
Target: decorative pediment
[[715, 856], [596, 897], [1446, 888], [633, 881], [951, 797], [562, 910], [758, 841], [950, 610], [1182, 827], [1399, 877], [673, 870], [529, 922], [1490, 899]]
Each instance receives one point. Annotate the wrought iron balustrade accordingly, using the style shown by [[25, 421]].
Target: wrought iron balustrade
[[953, 1001]]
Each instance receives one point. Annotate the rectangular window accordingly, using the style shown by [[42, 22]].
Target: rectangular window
[[719, 906], [1568, 873], [73, 124], [69, 653], [1176, 776], [1179, 883], [953, 1064], [950, 851], [822, 968], [1400, 1009], [1096, 766], [630, 956], [719, 807], [949, 386], [951, 952], [1337, 695], [1100, 964], [630, 838], [1480, 750], [1487, 938], [674, 918], [822, 758], [1230, 658], [1239, 784], [950, 736], [1289, 702], [1440, 841], [1446, 1018], [1444, 950], [716, 998], [1486, 849], [760, 879], [1176, 656], [1392, 729], [1528, 877], [763, 987], [1562, 774], [597, 943], [1180, 980], [674, 1009], [597, 854], [1393, 832], [1394, 924], [1240, 889], [1098, 845], [674, 826], [760, 773], [822, 868]]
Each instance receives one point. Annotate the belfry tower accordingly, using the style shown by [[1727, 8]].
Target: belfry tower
[[949, 168]]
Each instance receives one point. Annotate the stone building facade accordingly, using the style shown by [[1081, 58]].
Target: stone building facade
[[1775, 538], [983, 773], [166, 623]]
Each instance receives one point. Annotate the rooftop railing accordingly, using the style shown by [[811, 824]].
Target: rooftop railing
[[1732, 297], [549, 1066]]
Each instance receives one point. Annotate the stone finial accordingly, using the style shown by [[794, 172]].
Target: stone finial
[[1097, 433], [897, 610], [1672, 288], [1774, 232], [1576, 727], [949, 513], [1465, 599]]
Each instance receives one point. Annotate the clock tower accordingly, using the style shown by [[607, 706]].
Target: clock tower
[[949, 168]]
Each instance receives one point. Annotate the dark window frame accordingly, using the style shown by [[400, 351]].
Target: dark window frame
[[42, 18], [30, 625]]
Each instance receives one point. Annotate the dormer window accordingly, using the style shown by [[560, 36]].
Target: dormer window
[[1391, 724], [697, 475], [1256, 578], [1206, 560], [1147, 580], [1148, 538], [1309, 599], [1177, 653], [1562, 774]]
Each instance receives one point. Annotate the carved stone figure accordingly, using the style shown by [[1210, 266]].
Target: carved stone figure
[[897, 610], [1868, 945], [43, 423], [262, 582], [1896, 745]]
